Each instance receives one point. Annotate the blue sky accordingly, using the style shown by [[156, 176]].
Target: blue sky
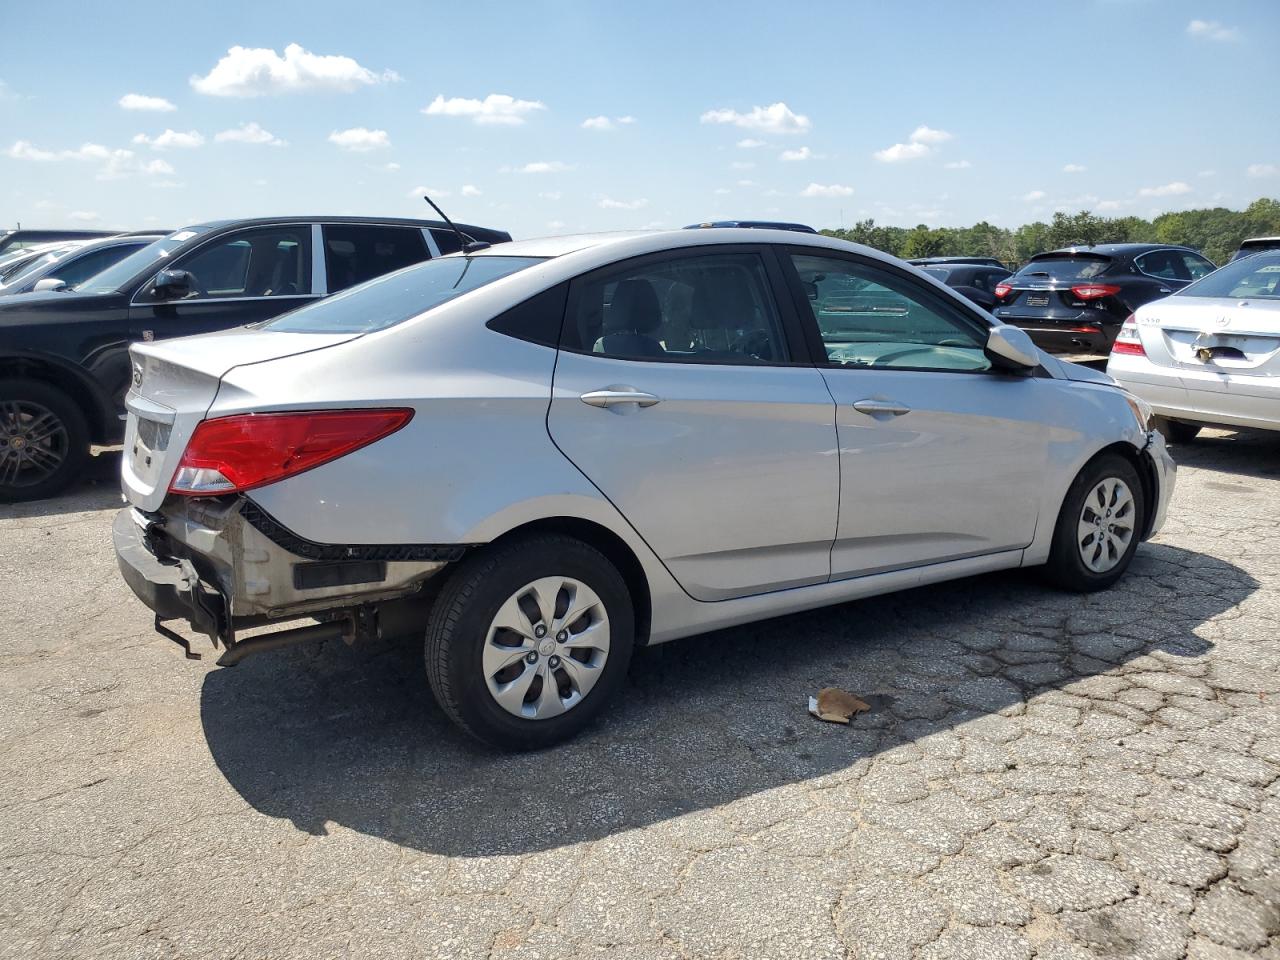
[[564, 116]]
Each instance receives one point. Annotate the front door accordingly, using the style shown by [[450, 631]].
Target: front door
[[941, 456], [679, 393], [238, 278]]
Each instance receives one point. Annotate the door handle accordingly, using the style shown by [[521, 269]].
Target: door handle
[[611, 398], [873, 407]]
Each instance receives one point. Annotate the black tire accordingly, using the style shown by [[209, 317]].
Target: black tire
[[1177, 431], [21, 401], [457, 630], [1066, 567]]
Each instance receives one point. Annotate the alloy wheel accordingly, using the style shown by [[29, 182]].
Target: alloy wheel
[[546, 648], [33, 443], [1106, 525]]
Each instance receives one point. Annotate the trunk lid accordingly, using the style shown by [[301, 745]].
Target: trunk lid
[[174, 383], [1212, 337]]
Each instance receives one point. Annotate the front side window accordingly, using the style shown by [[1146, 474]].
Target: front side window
[[1254, 278], [869, 317], [714, 308], [354, 252], [275, 262]]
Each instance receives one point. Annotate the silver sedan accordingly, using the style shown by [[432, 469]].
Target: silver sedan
[[542, 455]]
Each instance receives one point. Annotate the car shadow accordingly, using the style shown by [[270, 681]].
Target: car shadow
[[348, 736], [1248, 453], [98, 488]]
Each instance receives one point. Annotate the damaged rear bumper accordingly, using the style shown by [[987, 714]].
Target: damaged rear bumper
[[224, 566]]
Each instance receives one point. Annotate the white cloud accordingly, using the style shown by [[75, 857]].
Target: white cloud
[[746, 183], [83, 216], [901, 151], [249, 133], [546, 166], [608, 203], [550, 195], [114, 163], [750, 143], [1212, 30], [470, 190], [920, 143], [417, 193], [826, 190], [391, 167], [1174, 189], [171, 140], [260, 71], [597, 123], [958, 165], [157, 167], [627, 120], [804, 153], [721, 191], [1033, 196], [1108, 205], [775, 118], [1263, 170], [1074, 168], [360, 139], [137, 101], [496, 108], [928, 135]]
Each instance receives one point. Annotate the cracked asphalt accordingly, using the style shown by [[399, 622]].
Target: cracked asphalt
[[1042, 775]]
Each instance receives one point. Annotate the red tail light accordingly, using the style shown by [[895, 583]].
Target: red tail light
[[237, 453], [1002, 290], [1128, 341], [1092, 291]]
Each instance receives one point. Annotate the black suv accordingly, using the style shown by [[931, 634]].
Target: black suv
[[64, 356], [1074, 300], [975, 281]]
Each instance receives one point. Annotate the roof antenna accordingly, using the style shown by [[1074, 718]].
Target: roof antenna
[[466, 246]]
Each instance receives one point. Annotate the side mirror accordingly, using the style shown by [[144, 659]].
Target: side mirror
[[1010, 347], [48, 283], [172, 284]]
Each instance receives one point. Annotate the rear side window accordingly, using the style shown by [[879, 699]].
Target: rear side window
[[354, 253], [1164, 264], [1065, 268], [396, 297], [1254, 278]]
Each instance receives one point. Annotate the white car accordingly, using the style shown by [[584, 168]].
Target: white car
[[542, 455], [1209, 354]]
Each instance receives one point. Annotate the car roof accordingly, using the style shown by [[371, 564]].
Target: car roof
[[1259, 240], [477, 232], [1112, 249]]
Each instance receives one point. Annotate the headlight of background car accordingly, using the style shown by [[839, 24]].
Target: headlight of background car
[[1142, 411]]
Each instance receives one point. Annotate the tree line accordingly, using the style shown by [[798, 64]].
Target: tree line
[[1215, 232]]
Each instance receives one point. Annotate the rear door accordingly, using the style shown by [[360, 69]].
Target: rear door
[[683, 393], [941, 457], [237, 278]]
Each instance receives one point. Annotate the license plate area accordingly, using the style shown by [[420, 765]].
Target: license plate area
[[1037, 299], [150, 442]]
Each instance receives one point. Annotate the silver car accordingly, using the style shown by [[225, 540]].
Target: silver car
[[67, 264], [542, 455], [1209, 354]]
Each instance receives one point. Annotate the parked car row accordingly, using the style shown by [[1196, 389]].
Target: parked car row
[[64, 364]]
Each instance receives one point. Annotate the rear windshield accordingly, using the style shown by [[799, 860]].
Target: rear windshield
[[1256, 278], [1248, 248], [1064, 268], [394, 298], [940, 272]]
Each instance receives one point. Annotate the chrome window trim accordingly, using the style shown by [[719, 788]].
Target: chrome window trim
[[319, 274], [433, 248], [289, 296]]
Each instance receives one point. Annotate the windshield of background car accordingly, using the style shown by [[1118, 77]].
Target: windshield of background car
[[116, 276], [396, 297], [1256, 277], [1064, 268]]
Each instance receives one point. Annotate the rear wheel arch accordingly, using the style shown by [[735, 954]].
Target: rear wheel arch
[[73, 385], [614, 548]]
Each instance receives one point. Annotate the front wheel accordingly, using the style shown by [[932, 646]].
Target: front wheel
[[1099, 526], [528, 641], [44, 440]]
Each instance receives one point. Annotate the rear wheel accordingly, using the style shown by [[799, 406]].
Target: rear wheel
[[44, 440], [1178, 431], [527, 642], [1099, 526]]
